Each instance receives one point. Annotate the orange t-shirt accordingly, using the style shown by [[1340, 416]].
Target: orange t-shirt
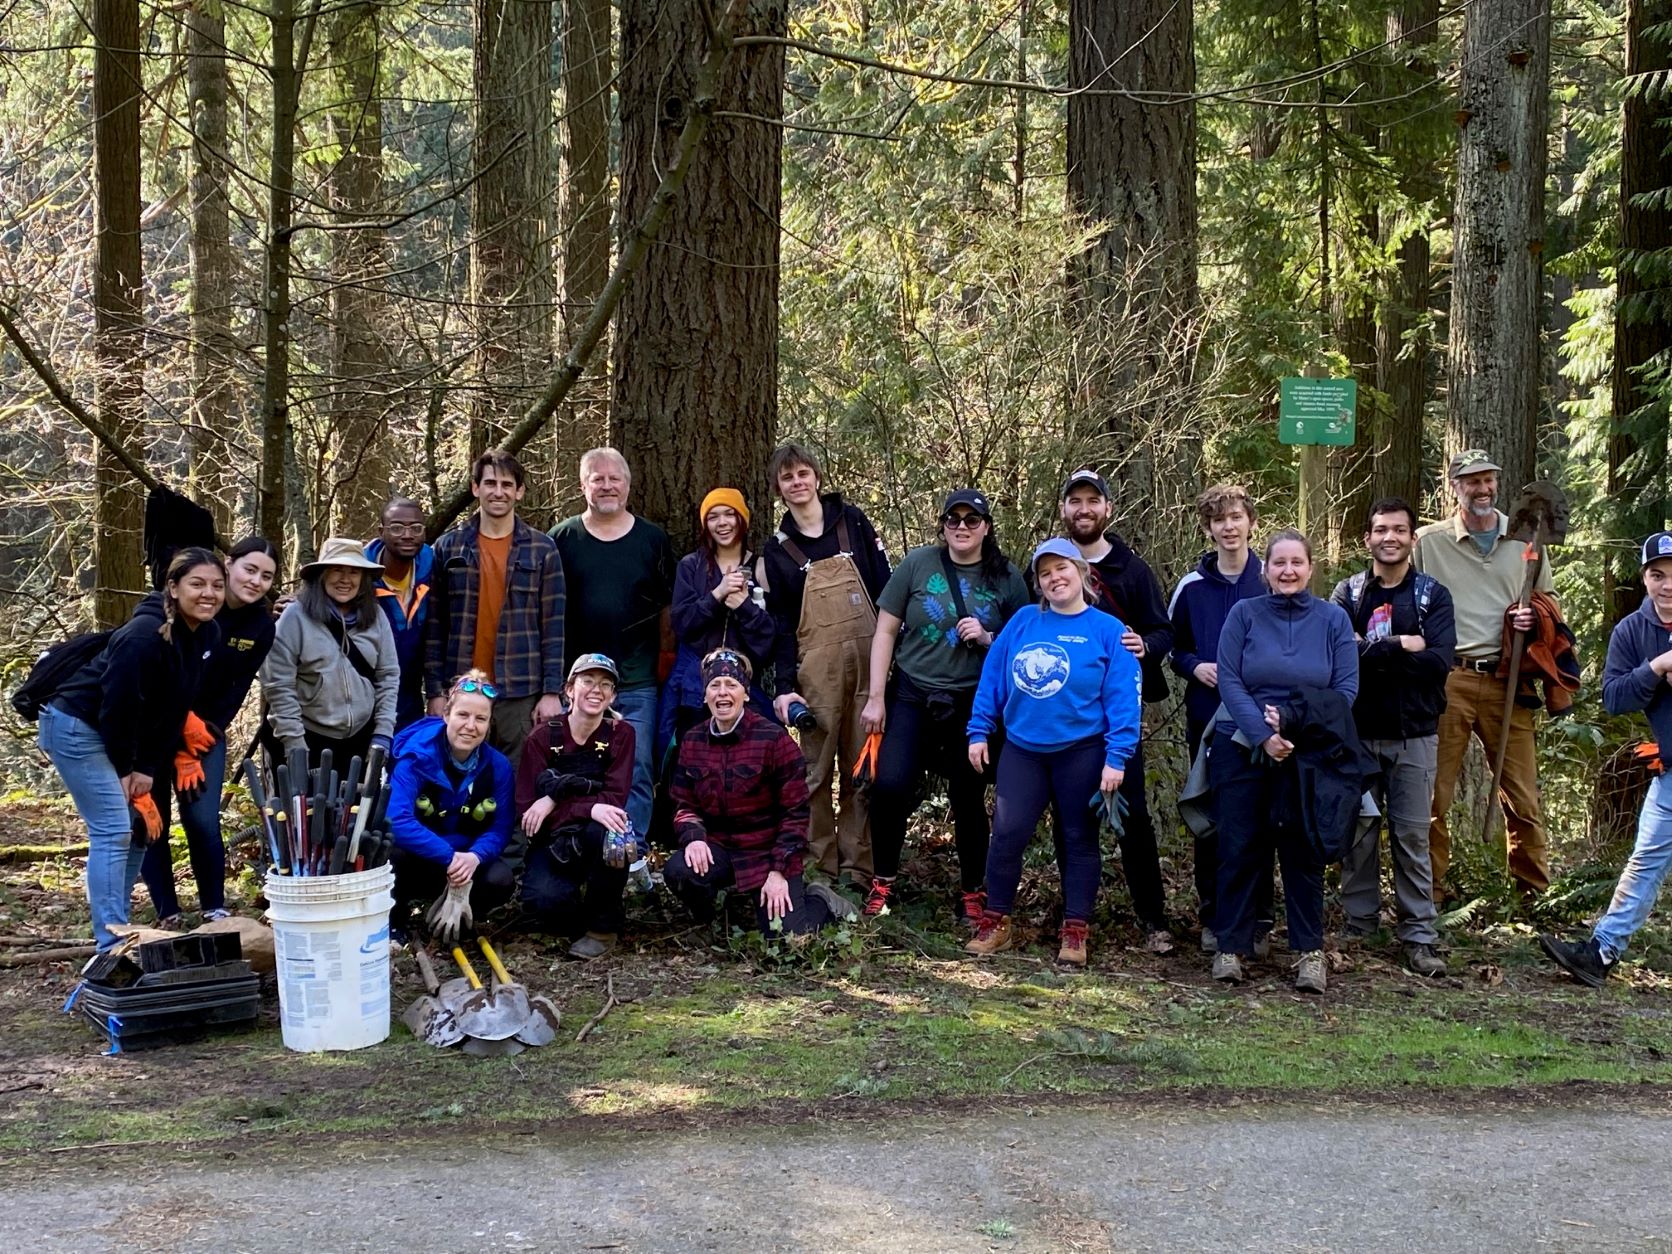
[[490, 600]]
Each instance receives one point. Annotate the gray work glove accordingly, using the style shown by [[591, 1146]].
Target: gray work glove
[[449, 918]]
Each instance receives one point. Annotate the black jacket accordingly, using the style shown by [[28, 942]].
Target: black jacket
[[1401, 694], [246, 635], [1331, 764], [1127, 588], [137, 691]]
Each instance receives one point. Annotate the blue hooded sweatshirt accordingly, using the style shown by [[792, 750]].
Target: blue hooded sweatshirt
[[1627, 682], [1058, 679], [1198, 609], [434, 801], [408, 629], [1272, 645]]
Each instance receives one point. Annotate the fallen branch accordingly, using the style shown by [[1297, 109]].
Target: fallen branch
[[34, 957], [18, 855], [23, 942], [610, 1004]]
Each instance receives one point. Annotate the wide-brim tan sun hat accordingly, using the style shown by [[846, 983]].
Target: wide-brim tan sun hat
[[342, 552]]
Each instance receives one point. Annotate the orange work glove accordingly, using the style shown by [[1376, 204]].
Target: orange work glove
[[147, 809], [199, 737], [189, 780]]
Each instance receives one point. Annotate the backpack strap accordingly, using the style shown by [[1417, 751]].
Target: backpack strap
[[1356, 583], [952, 583]]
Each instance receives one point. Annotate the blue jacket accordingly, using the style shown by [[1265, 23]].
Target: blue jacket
[[1627, 682], [409, 631], [427, 778], [1198, 609], [1058, 679], [1274, 644]]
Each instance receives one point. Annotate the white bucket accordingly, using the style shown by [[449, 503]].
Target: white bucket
[[331, 940]]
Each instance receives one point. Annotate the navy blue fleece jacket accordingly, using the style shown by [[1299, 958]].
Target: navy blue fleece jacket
[[1272, 645], [1629, 684]]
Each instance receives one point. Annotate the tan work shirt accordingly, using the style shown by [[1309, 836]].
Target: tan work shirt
[[1482, 587]]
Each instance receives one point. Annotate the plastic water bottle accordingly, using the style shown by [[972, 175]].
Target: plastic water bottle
[[619, 846]]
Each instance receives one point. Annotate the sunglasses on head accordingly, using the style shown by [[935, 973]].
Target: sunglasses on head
[[967, 521], [481, 686]]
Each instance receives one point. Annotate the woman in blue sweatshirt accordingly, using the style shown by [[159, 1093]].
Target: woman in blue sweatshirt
[[1268, 647], [1068, 694]]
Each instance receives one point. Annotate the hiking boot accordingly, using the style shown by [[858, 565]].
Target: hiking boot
[[1262, 946], [994, 934], [1074, 935], [593, 945], [971, 907], [1424, 961], [1227, 967], [1310, 976], [1582, 960], [1210, 942], [840, 907], [1160, 941], [172, 923], [876, 901]]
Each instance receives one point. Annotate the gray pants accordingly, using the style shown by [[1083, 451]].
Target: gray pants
[[1404, 793]]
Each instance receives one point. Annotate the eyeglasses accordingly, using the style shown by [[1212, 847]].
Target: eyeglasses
[[472, 685], [594, 681], [404, 529], [969, 522]]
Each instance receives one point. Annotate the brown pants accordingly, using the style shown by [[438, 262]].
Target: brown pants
[[1475, 704], [835, 679]]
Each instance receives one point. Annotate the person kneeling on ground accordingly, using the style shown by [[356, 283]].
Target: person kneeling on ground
[[450, 799], [1635, 678], [573, 783], [741, 806]]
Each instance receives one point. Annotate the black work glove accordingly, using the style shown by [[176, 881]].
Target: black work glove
[[554, 784]]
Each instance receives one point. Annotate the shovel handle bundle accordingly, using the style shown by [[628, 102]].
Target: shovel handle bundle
[[317, 823]]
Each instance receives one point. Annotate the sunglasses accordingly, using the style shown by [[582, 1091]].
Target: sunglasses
[[969, 522], [472, 685]]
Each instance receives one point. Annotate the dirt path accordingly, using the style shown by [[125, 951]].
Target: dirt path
[[1290, 1178]]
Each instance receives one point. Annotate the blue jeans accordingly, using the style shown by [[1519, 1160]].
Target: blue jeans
[[1028, 782], [78, 752], [638, 707], [1651, 858], [201, 821]]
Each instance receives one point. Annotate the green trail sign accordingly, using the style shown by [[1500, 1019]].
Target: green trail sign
[[1316, 411]]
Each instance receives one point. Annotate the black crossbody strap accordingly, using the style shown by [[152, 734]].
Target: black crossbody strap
[[952, 583]]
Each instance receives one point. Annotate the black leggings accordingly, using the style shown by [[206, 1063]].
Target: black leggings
[[914, 739], [1139, 857]]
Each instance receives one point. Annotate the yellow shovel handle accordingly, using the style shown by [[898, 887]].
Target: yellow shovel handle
[[493, 961], [464, 965]]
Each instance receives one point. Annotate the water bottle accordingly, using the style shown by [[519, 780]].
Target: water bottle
[[618, 846], [757, 594]]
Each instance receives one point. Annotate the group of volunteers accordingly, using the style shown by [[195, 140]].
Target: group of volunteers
[[550, 701]]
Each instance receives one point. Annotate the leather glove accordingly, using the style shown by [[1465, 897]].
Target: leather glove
[[199, 737], [147, 808], [189, 780], [449, 918], [555, 784]]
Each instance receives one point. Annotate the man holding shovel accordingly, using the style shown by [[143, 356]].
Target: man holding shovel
[[1484, 568]]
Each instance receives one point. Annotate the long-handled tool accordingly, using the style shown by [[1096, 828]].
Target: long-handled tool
[[480, 1015], [542, 1017], [428, 1018], [370, 790], [258, 796]]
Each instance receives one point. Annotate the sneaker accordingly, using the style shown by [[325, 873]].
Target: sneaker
[[840, 906], [1310, 974], [876, 901], [1160, 941], [1262, 946], [212, 916], [1074, 935], [994, 934], [971, 907], [1424, 961], [1582, 960], [1227, 967], [172, 923], [593, 945], [1210, 942]]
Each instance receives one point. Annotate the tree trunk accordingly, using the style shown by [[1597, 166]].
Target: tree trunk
[[118, 308], [1132, 168], [1493, 370], [360, 388], [1642, 316], [511, 281], [213, 350], [695, 400], [585, 207], [1404, 346]]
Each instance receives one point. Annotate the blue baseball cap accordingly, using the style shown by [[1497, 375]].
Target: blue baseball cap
[[1657, 546], [1056, 546]]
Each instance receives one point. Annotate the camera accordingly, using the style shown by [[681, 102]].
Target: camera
[[801, 718]]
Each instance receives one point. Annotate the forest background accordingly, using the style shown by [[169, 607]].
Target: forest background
[[293, 256]]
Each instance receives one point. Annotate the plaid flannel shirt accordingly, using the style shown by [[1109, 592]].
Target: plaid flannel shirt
[[745, 791], [528, 657]]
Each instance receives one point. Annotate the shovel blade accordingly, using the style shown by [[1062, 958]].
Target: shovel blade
[[541, 1025], [505, 1047], [432, 1022], [481, 1016]]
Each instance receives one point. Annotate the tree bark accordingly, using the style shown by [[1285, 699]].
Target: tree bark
[[1637, 443], [511, 281], [1493, 368], [695, 398], [585, 208], [360, 388], [118, 308], [1132, 169]]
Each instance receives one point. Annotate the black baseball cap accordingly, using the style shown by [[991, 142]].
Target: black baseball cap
[[1086, 476], [970, 498], [1656, 547]]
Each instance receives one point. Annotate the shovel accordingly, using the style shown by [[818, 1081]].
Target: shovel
[[541, 1017], [480, 1014], [428, 1018]]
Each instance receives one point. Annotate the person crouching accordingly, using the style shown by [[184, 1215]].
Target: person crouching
[[740, 811]]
